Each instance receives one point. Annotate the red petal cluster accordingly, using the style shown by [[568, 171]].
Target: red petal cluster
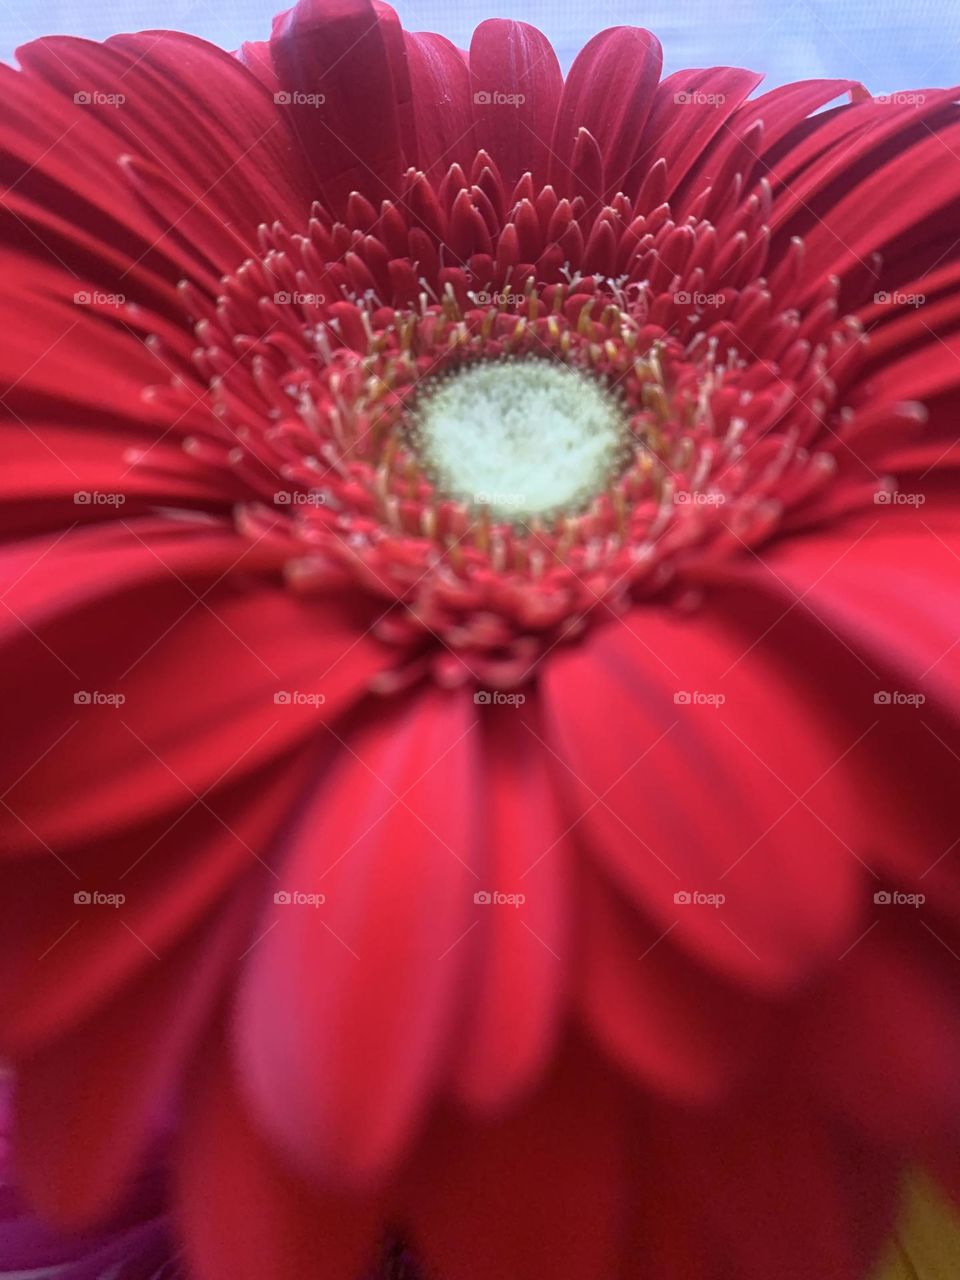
[[314, 355]]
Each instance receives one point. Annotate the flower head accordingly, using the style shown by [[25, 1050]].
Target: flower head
[[483, 648]]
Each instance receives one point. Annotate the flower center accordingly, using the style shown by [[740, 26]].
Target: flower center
[[528, 438], [491, 435]]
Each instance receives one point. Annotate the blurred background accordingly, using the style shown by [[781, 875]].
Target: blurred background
[[888, 44]]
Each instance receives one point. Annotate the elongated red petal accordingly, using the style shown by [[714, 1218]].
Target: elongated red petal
[[345, 91], [515, 80], [693, 717], [396, 866], [440, 80]]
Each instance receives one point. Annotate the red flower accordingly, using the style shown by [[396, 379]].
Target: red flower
[[482, 649]]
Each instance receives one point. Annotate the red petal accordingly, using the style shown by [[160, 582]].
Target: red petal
[[609, 91], [786, 106], [683, 1033], [57, 212], [514, 59], [882, 1037], [523, 952], [245, 1217], [865, 144], [227, 653], [62, 360], [347, 51], [930, 188], [889, 585], [61, 959], [541, 1193], [441, 103], [690, 112], [885, 589], [255, 56], [340, 1068], [192, 110], [679, 797], [107, 1083]]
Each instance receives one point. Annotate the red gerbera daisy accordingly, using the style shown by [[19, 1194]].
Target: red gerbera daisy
[[481, 631]]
